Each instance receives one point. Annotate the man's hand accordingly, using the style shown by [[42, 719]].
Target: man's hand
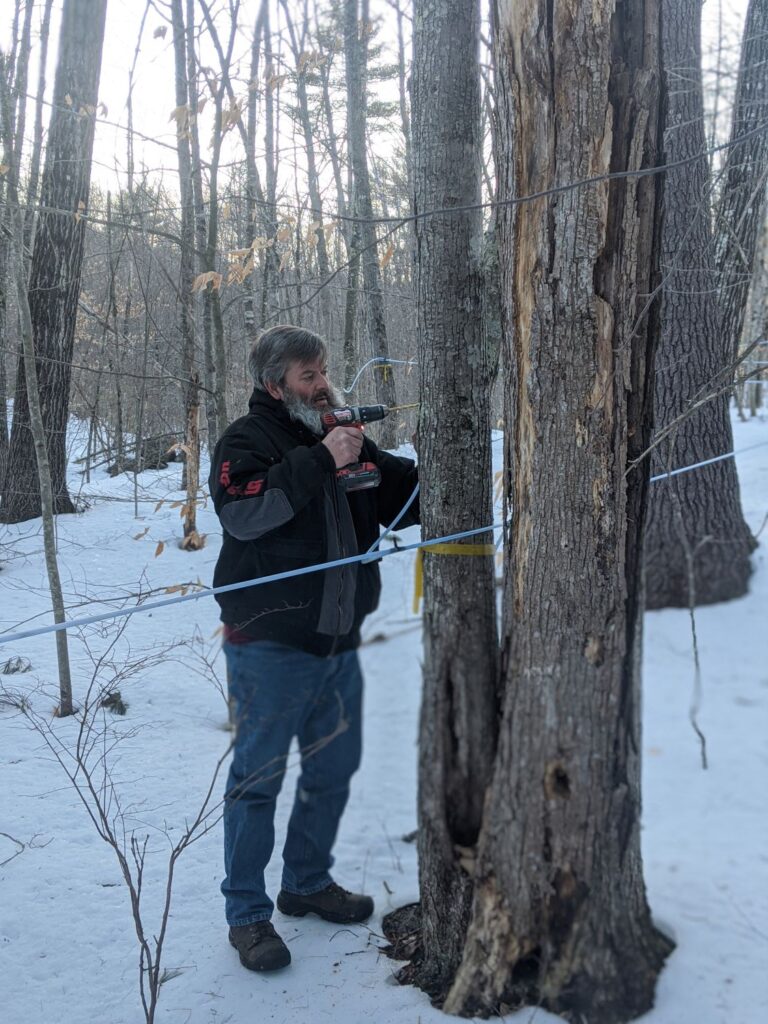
[[344, 444]]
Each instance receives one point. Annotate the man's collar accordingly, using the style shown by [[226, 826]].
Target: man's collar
[[262, 401]]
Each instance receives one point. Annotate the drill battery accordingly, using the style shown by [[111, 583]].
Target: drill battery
[[358, 476]]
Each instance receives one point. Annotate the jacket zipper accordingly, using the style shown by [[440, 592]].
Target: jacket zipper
[[340, 539]]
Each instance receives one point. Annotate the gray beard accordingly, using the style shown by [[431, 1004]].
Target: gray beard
[[305, 413]]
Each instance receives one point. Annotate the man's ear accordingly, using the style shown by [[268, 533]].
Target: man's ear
[[274, 390]]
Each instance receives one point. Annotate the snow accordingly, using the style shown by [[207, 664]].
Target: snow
[[68, 952]]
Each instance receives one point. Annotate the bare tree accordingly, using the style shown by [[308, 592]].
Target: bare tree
[[459, 705], [36, 424], [743, 194], [303, 59], [57, 259], [192, 540], [706, 547], [356, 30], [559, 915], [87, 764]]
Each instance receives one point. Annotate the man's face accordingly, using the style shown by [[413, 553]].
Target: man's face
[[308, 382], [306, 393]]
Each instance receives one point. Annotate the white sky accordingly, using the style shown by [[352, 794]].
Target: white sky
[[154, 85], [154, 97]]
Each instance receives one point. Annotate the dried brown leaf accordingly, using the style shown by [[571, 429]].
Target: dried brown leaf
[[388, 253]]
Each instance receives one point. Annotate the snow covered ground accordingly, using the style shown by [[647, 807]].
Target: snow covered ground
[[68, 952]]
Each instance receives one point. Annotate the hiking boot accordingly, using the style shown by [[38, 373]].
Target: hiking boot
[[332, 904], [259, 946]]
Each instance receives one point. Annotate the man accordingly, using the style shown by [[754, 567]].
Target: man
[[291, 645]]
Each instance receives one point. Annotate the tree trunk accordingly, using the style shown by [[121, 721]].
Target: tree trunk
[[355, 50], [744, 187], [459, 704], [270, 296], [315, 235], [191, 540], [253, 185], [697, 543], [36, 425], [203, 299], [756, 327], [560, 916], [31, 217], [57, 259], [5, 263], [4, 350]]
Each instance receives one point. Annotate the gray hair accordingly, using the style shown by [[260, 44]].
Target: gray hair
[[275, 349]]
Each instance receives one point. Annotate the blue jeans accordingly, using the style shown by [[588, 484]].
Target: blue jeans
[[280, 692]]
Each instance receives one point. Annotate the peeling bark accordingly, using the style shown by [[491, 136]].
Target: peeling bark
[[560, 916]]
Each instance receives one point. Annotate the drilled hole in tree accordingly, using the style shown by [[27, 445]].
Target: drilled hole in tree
[[556, 781]]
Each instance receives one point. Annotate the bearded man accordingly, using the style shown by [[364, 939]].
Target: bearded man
[[291, 645]]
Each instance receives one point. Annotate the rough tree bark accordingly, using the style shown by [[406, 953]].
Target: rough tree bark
[[560, 916], [355, 51], [696, 536], [54, 285], [756, 325], [36, 425], [30, 217], [192, 540], [459, 703], [255, 199], [213, 320], [315, 235], [746, 171], [270, 295]]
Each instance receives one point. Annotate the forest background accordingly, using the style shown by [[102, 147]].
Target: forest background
[[179, 175]]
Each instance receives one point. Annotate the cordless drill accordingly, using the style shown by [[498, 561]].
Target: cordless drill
[[358, 475]]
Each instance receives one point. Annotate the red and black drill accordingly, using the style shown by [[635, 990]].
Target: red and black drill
[[358, 475]]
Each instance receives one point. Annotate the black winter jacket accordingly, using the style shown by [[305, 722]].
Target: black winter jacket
[[274, 489]]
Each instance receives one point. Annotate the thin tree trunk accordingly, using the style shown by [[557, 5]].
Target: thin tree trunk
[[212, 296], [405, 120], [57, 259], [112, 345], [201, 230], [5, 259], [270, 300], [253, 188], [30, 217], [20, 78], [351, 354], [192, 540], [356, 49], [315, 233], [560, 916], [36, 425], [459, 704], [709, 545]]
